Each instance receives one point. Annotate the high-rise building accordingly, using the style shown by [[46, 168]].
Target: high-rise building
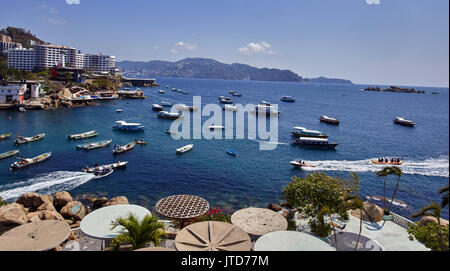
[[21, 59]]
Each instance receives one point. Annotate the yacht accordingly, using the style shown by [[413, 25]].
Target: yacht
[[125, 126], [319, 143], [303, 132], [288, 99], [404, 122]]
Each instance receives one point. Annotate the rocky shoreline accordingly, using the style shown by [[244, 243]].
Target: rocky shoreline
[[395, 89]]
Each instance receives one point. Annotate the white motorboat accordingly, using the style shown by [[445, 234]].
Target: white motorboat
[[288, 99], [303, 132], [95, 145], [168, 115], [102, 172], [119, 110], [165, 103], [216, 127], [185, 148], [404, 122], [118, 165], [157, 107], [125, 126], [161, 91]]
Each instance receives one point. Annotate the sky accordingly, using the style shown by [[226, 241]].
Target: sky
[[385, 42]]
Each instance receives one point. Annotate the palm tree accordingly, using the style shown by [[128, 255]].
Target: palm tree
[[393, 170], [433, 210], [138, 232], [445, 197], [382, 173], [320, 216]]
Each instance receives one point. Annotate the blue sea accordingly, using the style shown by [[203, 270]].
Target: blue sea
[[254, 177]]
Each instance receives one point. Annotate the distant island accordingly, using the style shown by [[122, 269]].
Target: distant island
[[395, 89], [212, 69]]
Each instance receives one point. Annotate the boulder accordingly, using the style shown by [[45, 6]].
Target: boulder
[[274, 207], [46, 206], [99, 203], [50, 215], [33, 217], [286, 205], [13, 215], [73, 209], [117, 201], [33, 200], [373, 212], [61, 199], [431, 219]]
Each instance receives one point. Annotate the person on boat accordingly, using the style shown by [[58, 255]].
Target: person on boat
[[96, 165]]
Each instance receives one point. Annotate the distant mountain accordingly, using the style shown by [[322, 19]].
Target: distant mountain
[[207, 68], [328, 80]]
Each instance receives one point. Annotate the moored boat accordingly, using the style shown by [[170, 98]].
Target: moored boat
[[23, 140], [300, 163], [124, 148], [140, 142], [24, 162], [165, 103], [8, 154], [187, 108], [230, 107], [83, 135], [288, 99], [95, 145], [225, 101], [168, 115], [404, 122], [303, 132], [118, 165], [329, 120], [119, 110], [157, 107], [125, 126], [319, 143], [185, 148], [161, 91], [5, 136], [235, 94]]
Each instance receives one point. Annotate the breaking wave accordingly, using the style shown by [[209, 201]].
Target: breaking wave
[[438, 167], [46, 184]]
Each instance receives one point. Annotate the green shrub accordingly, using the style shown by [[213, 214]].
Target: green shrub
[[428, 235]]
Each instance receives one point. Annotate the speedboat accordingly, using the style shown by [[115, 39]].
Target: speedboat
[[404, 122], [229, 107], [230, 152], [168, 115], [329, 120], [125, 126], [164, 103], [83, 135], [24, 162], [303, 132], [22, 139], [8, 154], [5, 136], [288, 99], [95, 145], [157, 107], [319, 143], [161, 91], [121, 149], [101, 172], [118, 165], [300, 163], [185, 148]]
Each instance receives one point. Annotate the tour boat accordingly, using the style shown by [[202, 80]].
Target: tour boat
[[22, 139], [161, 91], [387, 163], [329, 120], [320, 143], [5, 136], [288, 99], [185, 148], [168, 115], [225, 101], [303, 132], [300, 163], [125, 126], [102, 172], [229, 107], [83, 135], [24, 162], [231, 152], [95, 145], [157, 107], [404, 122], [118, 165], [164, 103], [125, 148], [8, 154]]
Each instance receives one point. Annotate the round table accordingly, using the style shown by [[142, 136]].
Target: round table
[[98, 224], [259, 221], [35, 236], [182, 207], [346, 241], [291, 241]]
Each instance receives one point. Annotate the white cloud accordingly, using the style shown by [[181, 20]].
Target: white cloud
[[73, 2], [183, 47], [254, 48], [373, 2]]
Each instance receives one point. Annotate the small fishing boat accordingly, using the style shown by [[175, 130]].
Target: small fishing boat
[[119, 110], [24, 162], [288, 99], [167, 115], [386, 161], [102, 172], [164, 103], [303, 132], [95, 145], [157, 107], [125, 148], [161, 91], [300, 164], [185, 148], [231, 152], [230, 107], [5, 136], [329, 120], [319, 143], [118, 165], [125, 126], [23, 140], [83, 135], [8, 154], [140, 142], [404, 122]]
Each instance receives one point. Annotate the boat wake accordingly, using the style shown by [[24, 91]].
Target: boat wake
[[46, 184], [438, 167]]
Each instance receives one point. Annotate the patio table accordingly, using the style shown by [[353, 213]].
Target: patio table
[[259, 221], [291, 241]]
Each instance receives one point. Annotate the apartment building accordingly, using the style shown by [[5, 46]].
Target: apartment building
[[6, 45], [21, 59]]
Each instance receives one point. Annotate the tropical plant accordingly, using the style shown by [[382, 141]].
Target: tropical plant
[[137, 232], [357, 203], [445, 197], [393, 170], [428, 235], [433, 210]]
